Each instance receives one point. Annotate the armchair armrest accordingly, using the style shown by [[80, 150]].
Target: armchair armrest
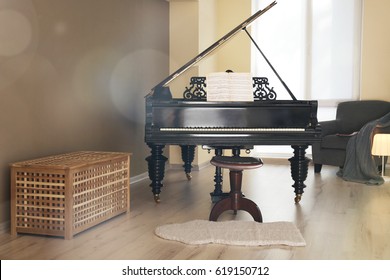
[[329, 127]]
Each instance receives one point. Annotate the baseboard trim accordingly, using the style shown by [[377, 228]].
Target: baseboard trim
[[5, 227], [139, 178], [195, 167], [145, 175], [276, 155]]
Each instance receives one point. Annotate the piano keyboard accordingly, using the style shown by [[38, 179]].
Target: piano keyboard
[[232, 129]]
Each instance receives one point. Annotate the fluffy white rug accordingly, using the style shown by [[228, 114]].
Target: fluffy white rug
[[244, 233]]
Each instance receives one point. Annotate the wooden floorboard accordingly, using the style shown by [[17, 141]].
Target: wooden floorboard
[[338, 219]]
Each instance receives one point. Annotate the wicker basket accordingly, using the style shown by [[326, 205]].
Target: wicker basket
[[65, 194]]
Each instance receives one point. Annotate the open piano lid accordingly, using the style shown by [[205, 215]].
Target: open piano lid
[[162, 92]]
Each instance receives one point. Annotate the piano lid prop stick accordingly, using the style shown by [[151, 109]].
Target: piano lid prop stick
[[270, 65]]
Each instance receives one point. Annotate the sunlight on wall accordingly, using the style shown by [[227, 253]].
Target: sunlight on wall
[[133, 66]]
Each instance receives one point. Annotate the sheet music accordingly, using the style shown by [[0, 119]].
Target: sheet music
[[224, 86]]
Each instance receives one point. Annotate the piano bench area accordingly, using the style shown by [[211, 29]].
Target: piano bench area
[[235, 201]]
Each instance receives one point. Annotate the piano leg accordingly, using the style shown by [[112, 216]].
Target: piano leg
[[156, 166], [299, 167], [187, 155]]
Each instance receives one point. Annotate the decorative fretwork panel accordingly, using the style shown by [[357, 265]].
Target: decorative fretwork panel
[[197, 89], [262, 91]]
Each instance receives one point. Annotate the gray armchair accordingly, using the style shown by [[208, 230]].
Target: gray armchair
[[351, 116]]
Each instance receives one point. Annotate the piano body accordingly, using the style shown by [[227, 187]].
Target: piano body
[[192, 121]]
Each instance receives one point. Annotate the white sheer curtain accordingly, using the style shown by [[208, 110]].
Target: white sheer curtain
[[314, 45]]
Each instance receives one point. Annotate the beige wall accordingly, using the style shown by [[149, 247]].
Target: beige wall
[[73, 76], [196, 25], [208, 28], [375, 79], [235, 54], [183, 40]]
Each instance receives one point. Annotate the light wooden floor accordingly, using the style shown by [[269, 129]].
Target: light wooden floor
[[338, 219]]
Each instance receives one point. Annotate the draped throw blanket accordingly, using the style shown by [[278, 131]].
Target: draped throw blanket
[[359, 164]]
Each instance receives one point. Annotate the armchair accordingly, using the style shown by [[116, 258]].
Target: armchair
[[351, 116]]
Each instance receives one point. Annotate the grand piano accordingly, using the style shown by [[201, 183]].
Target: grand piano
[[193, 121]]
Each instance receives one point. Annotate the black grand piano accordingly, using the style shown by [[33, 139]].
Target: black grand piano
[[192, 120]]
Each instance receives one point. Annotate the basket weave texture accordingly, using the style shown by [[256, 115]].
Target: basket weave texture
[[65, 194]]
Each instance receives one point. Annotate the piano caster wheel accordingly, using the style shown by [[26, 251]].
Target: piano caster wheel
[[298, 198], [189, 176], [157, 198]]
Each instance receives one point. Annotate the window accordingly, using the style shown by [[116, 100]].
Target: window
[[314, 46]]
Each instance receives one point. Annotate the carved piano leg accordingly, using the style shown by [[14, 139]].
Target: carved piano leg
[[299, 167], [217, 194], [156, 165], [187, 155]]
